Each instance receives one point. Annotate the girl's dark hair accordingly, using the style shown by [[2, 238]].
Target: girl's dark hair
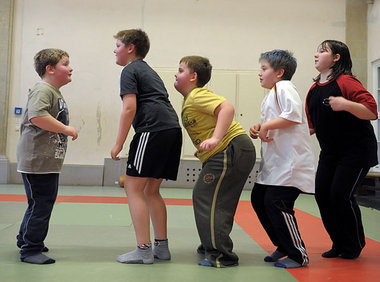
[[343, 65]]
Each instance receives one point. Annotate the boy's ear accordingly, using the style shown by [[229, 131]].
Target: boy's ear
[[131, 48], [280, 73], [49, 69], [194, 76]]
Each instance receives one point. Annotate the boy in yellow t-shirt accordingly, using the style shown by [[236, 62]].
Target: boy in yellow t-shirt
[[227, 155]]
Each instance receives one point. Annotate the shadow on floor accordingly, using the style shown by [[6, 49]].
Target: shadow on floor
[[368, 195]]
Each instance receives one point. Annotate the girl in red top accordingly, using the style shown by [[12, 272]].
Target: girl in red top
[[339, 109]]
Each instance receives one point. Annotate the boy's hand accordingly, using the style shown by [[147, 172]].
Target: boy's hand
[[196, 154], [48, 123], [116, 149], [209, 144], [263, 134], [254, 130], [71, 131]]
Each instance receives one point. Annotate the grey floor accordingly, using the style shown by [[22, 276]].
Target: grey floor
[[85, 237]]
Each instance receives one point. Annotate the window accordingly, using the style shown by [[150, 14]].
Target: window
[[376, 94]]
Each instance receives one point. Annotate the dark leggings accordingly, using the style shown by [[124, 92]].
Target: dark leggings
[[334, 192]]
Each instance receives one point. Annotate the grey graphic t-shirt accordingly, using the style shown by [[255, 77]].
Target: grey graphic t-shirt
[[38, 150]]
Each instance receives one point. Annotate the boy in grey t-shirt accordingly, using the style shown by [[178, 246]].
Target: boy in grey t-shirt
[[41, 150]]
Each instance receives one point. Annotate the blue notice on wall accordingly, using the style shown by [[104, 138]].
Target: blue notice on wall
[[18, 111]]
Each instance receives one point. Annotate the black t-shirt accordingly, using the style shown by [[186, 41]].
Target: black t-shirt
[[340, 133], [154, 111]]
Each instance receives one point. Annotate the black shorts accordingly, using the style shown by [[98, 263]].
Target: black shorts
[[155, 154]]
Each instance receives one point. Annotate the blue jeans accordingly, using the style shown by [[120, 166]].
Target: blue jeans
[[41, 191]]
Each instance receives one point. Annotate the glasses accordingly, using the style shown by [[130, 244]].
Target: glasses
[[326, 102]]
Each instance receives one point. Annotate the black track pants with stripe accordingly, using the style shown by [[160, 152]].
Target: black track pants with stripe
[[274, 208]]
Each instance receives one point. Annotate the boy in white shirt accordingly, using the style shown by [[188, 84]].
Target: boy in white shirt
[[287, 163]]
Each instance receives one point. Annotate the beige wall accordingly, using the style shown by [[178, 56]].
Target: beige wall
[[5, 51], [356, 37], [231, 33]]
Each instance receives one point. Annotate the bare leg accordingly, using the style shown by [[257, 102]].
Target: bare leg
[[158, 215], [138, 207], [157, 207]]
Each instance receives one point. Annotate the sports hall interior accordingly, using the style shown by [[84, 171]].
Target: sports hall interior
[[91, 224]]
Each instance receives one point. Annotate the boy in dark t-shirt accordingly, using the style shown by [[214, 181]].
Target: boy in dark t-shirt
[[155, 150]]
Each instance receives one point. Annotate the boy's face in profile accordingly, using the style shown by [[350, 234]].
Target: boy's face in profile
[[268, 76], [121, 53], [62, 71], [184, 79]]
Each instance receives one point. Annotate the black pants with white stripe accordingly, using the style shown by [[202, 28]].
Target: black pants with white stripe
[[274, 208], [335, 185]]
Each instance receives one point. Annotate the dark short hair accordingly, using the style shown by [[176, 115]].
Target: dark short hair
[[281, 59], [201, 66], [47, 57], [343, 65], [136, 37]]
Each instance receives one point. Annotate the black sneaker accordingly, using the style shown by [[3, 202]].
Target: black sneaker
[[350, 255], [333, 253], [201, 250]]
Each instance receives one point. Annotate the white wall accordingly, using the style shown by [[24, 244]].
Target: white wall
[[232, 34], [373, 38], [373, 18]]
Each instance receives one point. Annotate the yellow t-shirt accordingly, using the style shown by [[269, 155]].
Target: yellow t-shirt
[[199, 120]]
